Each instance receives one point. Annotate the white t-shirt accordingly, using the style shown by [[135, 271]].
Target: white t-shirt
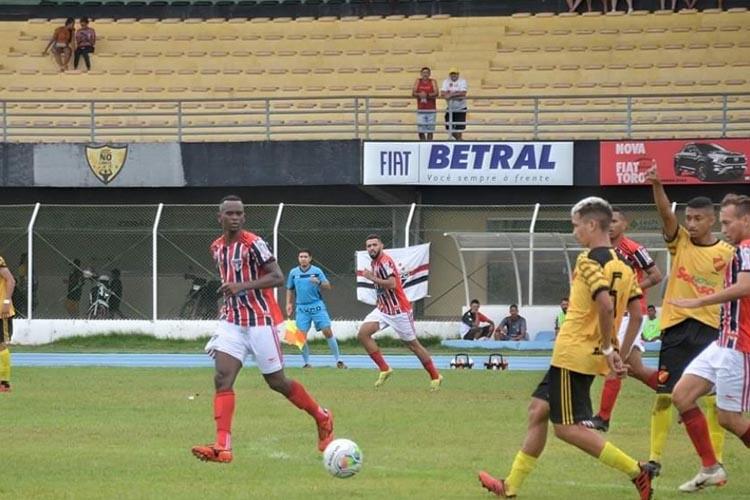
[[455, 104]]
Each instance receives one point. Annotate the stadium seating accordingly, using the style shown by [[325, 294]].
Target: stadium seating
[[576, 57]]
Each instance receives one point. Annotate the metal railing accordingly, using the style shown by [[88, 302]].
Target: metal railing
[[373, 117]]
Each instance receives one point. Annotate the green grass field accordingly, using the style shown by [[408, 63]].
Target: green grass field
[[126, 433]]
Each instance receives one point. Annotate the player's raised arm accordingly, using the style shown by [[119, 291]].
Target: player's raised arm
[[663, 205]]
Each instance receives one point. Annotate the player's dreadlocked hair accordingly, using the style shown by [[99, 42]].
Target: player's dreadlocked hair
[[594, 207]]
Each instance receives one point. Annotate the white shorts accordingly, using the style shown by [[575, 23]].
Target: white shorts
[[637, 343], [402, 323], [261, 342], [729, 371]]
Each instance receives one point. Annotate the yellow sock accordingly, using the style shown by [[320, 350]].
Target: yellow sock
[[714, 429], [522, 467], [661, 421], [5, 365], [617, 459]]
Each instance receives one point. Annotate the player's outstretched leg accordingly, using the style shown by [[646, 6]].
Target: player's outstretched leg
[[424, 356], [661, 423], [641, 474], [299, 397], [526, 458], [226, 372], [610, 391], [366, 331], [686, 393], [4, 366], [306, 355], [333, 345]]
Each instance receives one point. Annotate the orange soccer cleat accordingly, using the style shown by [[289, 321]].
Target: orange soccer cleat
[[493, 485], [210, 453], [325, 431]]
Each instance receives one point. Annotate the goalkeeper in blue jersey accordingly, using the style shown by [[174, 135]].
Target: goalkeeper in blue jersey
[[305, 303]]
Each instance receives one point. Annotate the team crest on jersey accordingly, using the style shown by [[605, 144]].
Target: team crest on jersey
[[237, 264], [719, 263], [106, 161]]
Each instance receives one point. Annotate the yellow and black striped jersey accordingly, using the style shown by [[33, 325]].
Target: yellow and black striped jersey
[[578, 344]]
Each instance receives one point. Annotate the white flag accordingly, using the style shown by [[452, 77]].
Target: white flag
[[414, 265]]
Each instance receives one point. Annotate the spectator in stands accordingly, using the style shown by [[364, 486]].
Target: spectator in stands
[[560, 319], [512, 327], [61, 43], [573, 5], [115, 287], [425, 90], [473, 325], [629, 2], [651, 329], [75, 283], [85, 42], [454, 91]]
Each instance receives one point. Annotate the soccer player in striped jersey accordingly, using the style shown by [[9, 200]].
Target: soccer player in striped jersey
[[698, 263], [249, 273], [604, 287], [648, 275], [725, 364], [394, 310]]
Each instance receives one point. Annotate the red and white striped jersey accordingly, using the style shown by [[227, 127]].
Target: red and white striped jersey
[[240, 261], [391, 301], [734, 322], [639, 259]]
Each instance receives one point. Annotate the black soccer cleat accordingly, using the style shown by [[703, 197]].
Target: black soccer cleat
[[596, 423]]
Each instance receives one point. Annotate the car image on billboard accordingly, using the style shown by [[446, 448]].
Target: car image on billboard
[[709, 162]]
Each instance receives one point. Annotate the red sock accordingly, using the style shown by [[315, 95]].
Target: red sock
[[302, 400], [653, 380], [609, 397], [697, 429], [434, 375], [223, 413], [746, 437], [378, 358]]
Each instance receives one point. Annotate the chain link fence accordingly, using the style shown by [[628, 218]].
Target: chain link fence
[[81, 252]]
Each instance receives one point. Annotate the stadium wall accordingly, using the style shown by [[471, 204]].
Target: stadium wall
[[43, 331]]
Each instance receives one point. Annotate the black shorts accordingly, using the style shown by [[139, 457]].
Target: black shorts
[[569, 396], [484, 331], [458, 119], [680, 344], [7, 330], [542, 390]]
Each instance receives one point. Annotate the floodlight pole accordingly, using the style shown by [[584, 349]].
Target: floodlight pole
[[30, 263], [154, 264], [532, 226], [276, 224]]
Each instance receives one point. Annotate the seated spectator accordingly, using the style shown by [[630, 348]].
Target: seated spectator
[[560, 319], [85, 41], [651, 330], [629, 2], [61, 42], [471, 327], [512, 327]]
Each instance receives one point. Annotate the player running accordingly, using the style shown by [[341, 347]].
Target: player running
[[648, 274], [394, 310], [7, 285], [698, 263], [249, 273], [303, 297], [604, 287], [725, 364]]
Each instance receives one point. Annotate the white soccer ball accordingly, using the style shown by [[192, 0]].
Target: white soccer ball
[[342, 458]]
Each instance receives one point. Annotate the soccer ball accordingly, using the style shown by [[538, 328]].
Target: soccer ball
[[342, 458]]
